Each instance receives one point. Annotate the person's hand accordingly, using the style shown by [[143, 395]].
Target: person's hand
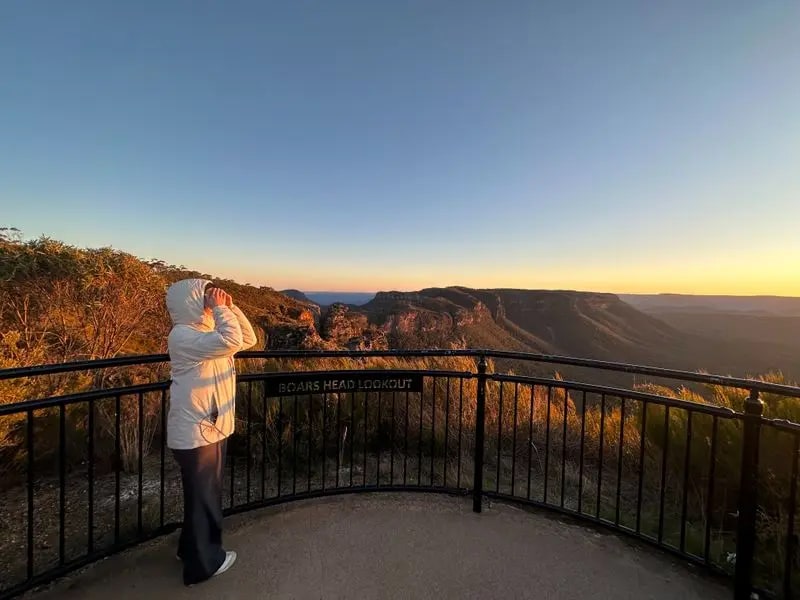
[[217, 297]]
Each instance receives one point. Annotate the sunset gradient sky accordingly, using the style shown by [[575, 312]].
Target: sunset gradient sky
[[611, 146]]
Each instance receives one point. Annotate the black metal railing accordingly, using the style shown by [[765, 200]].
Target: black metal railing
[[708, 474]]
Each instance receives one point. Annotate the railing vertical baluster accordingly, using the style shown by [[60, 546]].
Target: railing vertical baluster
[[62, 483], [280, 446], [352, 434], [583, 445], [366, 421], [530, 437], [309, 437], [599, 498], [393, 436], [790, 548], [642, 443], [90, 481], [480, 417], [117, 465], [547, 445], [460, 428], [338, 437], [499, 438], [248, 461], [324, 439], [419, 441], [686, 465], [564, 447], [162, 457], [620, 456], [446, 428], [140, 466], [405, 450], [712, 467], [30, 461], [378, 436], [433, 431], [663, 486], [295, 436], [748, 497], [514, 440], [264, 424], [231, 458]]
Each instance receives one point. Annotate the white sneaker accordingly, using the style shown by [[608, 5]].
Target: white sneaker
[[230, 558]]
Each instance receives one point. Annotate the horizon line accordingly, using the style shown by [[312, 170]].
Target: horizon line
[[534, 289]]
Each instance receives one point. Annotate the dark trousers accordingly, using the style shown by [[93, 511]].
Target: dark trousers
[[200, 546]]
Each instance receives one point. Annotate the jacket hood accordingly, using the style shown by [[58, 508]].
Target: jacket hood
[[186, 302]]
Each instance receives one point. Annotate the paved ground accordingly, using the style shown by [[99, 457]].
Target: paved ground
[[400, 546]]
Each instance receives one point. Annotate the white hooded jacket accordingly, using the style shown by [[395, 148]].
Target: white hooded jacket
[[202, 406]]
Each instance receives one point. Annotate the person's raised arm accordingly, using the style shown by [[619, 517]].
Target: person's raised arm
[[249, 338], [225, 340]]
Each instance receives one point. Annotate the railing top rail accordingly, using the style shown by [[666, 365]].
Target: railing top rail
[[83, 365], [710, 409], [782, 424], [658, 372], [54, 401]]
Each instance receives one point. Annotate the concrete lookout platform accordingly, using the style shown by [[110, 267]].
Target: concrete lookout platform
[[389, 545]]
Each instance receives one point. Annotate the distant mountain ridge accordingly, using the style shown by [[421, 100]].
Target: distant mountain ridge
[[330, 298], [583, 324], [296, 295], [586, 324], [767, 305]]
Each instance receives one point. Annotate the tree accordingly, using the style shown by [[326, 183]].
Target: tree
[[68, 304]]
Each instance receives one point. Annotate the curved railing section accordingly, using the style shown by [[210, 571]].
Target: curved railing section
[[707, 471]]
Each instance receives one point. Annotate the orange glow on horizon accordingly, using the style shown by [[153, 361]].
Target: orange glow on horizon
[[768, 272], [701, 286]]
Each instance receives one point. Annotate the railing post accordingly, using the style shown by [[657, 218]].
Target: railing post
[[748, 497], [480, 418]]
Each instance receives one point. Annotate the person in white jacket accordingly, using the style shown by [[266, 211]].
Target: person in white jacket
[[208, 329]]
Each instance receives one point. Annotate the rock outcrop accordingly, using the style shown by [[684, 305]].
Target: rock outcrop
[[350, 329], [286, 336]]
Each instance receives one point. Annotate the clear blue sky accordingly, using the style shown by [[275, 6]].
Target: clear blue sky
[[622, 146]]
